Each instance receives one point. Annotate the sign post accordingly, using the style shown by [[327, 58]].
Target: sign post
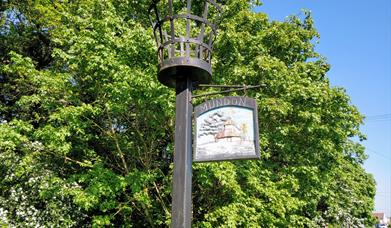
[[184, 56], [181, 196], [227, 128]]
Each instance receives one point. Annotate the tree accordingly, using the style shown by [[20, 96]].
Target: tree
[[213, 124], [86, 133]]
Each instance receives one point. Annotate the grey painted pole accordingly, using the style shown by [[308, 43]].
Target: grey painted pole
[[181, 196]]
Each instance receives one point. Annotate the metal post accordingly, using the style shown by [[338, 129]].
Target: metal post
[[181, 196]]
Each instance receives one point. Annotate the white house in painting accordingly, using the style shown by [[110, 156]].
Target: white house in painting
[[381, 217]]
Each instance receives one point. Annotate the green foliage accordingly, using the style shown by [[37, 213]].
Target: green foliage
[[86, 130]]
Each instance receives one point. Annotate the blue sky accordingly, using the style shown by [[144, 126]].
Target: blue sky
[[355, 38]]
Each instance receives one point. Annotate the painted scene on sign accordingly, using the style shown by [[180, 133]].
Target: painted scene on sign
[[225, 132]]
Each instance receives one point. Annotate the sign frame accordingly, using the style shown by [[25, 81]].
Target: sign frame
[[219, 103]]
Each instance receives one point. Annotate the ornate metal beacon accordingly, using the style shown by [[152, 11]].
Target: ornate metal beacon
[[184, 32]]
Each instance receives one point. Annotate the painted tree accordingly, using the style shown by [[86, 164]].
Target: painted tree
[[86, 130], [213, 124]]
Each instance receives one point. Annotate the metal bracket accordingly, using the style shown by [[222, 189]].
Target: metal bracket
[[237, 88]]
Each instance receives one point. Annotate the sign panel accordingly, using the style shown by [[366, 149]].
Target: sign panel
[[226, 129]]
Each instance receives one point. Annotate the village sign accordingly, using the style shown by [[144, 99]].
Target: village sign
[[226, 129]]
